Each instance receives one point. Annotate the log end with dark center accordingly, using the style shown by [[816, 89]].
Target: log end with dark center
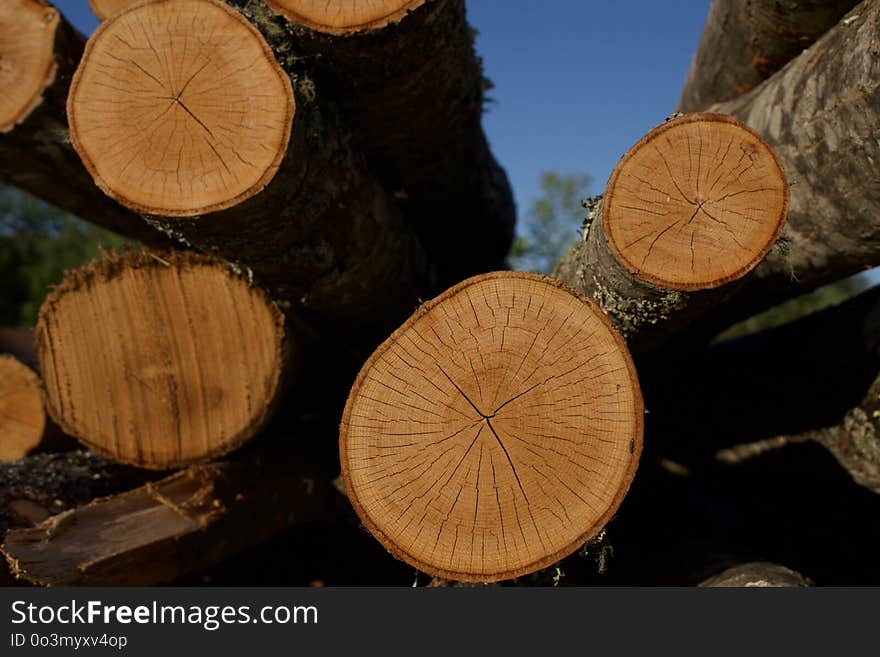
[[696, 203], [179, 108], [495, 431], [160, 361], [344, 16], [27, 57]]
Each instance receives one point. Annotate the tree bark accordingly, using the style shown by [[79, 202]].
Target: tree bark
[[757, 574], [688, 212], [35, 150], [296, 205], [820, 115], [182, 524], [412, 84], [744, 42]]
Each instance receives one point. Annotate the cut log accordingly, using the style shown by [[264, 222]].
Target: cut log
[[180, 108], [820, 115], [406, 74], [39, 51], [758, 574], [744, 43], [694, 206], [495, 432], [182, 524], [161, 362], [22, 418], [105, 9]]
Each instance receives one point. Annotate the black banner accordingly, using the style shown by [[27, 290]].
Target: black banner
[[407, 621]]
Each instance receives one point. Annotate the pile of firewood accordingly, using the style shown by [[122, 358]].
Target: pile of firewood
[[303, 176]]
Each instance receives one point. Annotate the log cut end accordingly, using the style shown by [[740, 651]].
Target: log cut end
[[696, 203], [27, 57], [179, 108], [105, 9], [495, 431], [22, 418], [160, 362], [344, 16]]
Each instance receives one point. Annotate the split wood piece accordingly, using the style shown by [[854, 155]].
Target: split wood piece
[[744, 43], [759, 574], [182, 524], [36, 487], [39, 51], [161, 362], [405, 73], [22, 418], [180, 108], [495, 432], [694, 206]]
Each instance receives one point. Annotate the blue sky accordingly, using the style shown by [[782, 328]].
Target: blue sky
[[577, 82]]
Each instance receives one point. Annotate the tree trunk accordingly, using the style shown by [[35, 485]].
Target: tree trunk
[[820, 115], [182, 524], [406, 74], [495, 432], [757, 574], [38, 55], [162, 361], [209, 154], [744, 42], [690, 210]]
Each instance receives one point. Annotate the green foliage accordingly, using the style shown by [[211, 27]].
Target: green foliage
[[38, 242], [552, 223]]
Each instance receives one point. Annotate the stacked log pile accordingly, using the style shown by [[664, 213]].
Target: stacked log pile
[[304, 176]]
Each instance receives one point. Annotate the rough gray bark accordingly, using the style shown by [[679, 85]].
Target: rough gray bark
[[758, 574], [645, 314], [821, 115], [37, 155], [415, 91], [744, 42]]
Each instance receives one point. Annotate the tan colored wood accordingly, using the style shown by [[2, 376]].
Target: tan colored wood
[[160, 362], [105, 9], [344, 16], [696, 203], [22, 418], [495, 431], [27, 57], [173, 125]]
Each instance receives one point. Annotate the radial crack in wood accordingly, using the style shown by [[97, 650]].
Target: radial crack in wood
[[22, 418], [161, 362], [495, 431], [173, 122], [696, 203], [27, 57], [344, 16]]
